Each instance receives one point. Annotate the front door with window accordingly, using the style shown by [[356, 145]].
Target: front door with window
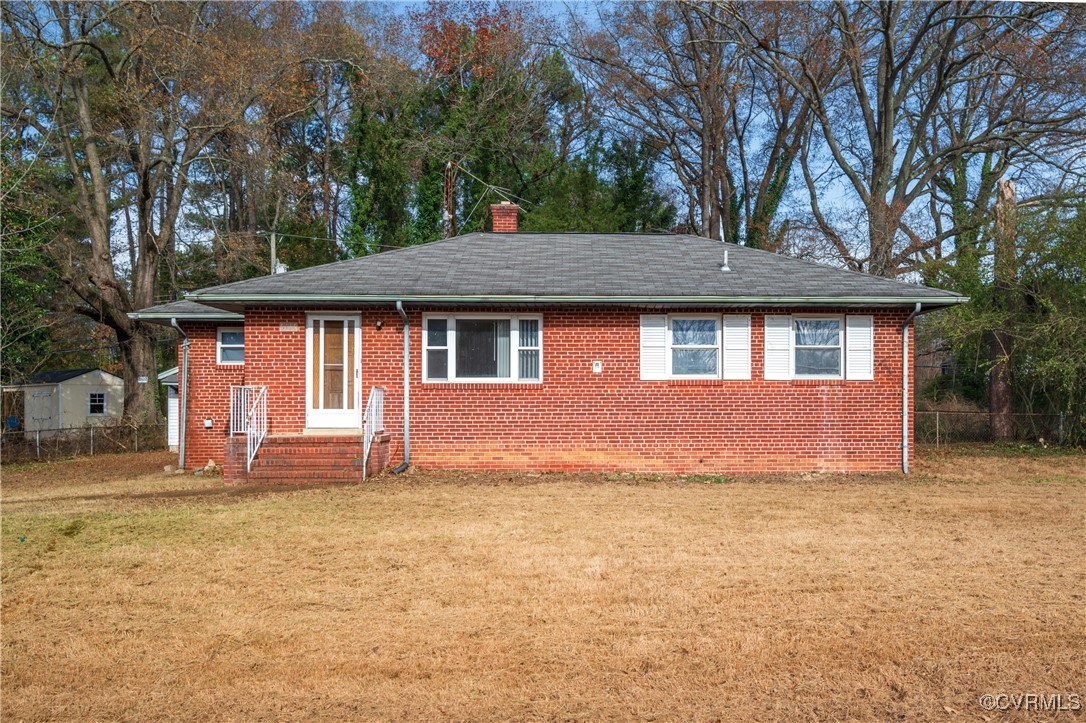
[[333, 372]]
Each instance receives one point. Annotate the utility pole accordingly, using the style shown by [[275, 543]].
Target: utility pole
[[274, 256]]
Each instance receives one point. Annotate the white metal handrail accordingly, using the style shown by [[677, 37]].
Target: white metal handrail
[[373, 422], [249, 416], [256, 426], [241, 401]]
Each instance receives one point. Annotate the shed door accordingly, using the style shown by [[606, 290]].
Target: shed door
[[40, 409]]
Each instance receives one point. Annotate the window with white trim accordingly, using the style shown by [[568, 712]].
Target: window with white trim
[[694, 346], [820, 346], [817, 346], [231, 346], [96, 404], [482, 348]]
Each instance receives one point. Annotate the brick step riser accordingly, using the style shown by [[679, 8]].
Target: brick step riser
[[290, 454], [254, 477], [294, 470], [287, 454], [278, 468], [301, 458], [325, 465], [313, 441], [303, 482], [317, 447]]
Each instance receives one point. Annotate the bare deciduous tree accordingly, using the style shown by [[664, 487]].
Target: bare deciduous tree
[[136, 91], [921, 89], [677, 75]]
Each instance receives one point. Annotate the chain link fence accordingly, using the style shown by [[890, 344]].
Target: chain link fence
[[50, 444], [938, 428]]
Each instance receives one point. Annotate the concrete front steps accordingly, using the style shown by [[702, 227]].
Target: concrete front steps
[[303, 458]]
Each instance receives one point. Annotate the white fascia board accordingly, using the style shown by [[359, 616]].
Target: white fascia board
[[495, 299]]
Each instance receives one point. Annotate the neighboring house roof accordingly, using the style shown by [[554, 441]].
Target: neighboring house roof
[[189, 310], [168, 377], [573, 268], [59, 375]]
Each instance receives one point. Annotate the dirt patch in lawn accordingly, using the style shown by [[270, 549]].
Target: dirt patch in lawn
[[88, 470], [490, 596]]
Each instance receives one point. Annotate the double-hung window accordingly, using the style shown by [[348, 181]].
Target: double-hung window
[[817, 346], [820, 346], [483, 348], [96, 404], [231, 346], [694, 346]]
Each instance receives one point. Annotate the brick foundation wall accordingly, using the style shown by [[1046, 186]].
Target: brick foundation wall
[[578, 420], [234, 469], [379, 459]]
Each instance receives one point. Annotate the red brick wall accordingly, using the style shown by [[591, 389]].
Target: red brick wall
[[209, 397], [579, 420]]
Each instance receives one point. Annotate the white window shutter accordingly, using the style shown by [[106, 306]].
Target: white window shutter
[[778, 346], [860, 346], [653, 346], [736, 346]]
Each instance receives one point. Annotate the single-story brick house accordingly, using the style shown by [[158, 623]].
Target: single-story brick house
[[541, 351]]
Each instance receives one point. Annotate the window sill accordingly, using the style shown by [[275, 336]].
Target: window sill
[[479, 384], [695, 382], [818, 382]]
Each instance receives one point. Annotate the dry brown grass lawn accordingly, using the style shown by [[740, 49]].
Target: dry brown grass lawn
[[129, 594]]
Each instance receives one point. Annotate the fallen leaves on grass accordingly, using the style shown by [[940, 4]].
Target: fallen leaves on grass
[[473, 596]]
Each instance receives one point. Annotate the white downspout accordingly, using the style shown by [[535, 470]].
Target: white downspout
[[406, 390], [183, 380], [905, 389]]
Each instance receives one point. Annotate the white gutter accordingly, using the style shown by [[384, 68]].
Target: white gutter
[[224, 316], [905, 389], [522, 299], [183, 382]]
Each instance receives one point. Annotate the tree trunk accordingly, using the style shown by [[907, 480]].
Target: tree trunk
[[138, 358], [883, 230], [1000, 408], [1000, 341], [707, 195]]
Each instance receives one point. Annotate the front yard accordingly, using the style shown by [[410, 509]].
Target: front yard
[[132, 594]]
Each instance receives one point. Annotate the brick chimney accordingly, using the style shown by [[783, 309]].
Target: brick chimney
[[504, 216]]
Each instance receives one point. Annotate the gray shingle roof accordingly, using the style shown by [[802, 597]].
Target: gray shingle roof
[[557, 268], [59, 375], [56, 376], [183, 310]]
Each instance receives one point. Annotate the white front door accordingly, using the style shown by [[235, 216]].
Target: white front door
[[333, 379]]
